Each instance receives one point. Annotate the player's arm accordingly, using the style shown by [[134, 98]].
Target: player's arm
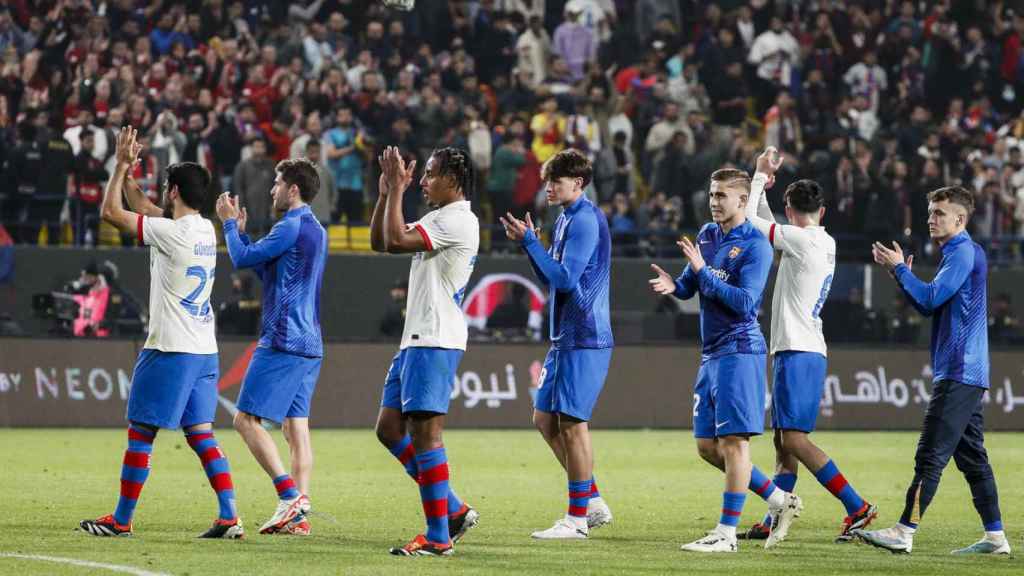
[[377, 218], [754, 270], [686, 284], [580, 242], [137, 199], [281, 237], [928, 296], [757, 210], [399, 237], [112, 210]]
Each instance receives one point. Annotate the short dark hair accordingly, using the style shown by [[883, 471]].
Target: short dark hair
[[570, 163], [301, 173], [726, 176], [956, 195], [193, 182], [456, 164], [804, 196]]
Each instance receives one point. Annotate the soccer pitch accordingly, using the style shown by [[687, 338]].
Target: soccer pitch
[[661, 493]]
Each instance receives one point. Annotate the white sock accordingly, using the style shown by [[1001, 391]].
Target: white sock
[[777, 499], [906, 530], [996, 536], [595, 501], [729, 531], [579, 521]]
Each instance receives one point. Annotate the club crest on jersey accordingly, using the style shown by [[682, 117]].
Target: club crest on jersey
[[735, 252]]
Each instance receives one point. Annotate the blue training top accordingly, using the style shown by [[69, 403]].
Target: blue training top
[[731, 285], [957, 298], [290, 260], [577, 270]]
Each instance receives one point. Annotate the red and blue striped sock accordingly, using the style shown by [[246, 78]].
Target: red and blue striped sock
[[761, 484], [134, 472], [785, 481], [579, 496], [594, 493], [433, 481], [215, 464], [833, 481], [285, 486], [732, 508], [406, 455]]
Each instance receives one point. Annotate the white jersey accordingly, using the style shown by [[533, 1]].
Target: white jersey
[[438, 278], [804, 278], [182, 262]]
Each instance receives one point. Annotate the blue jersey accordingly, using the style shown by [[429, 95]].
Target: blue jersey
[[731, 285], [290, 261], [956, 297], [577, 270]]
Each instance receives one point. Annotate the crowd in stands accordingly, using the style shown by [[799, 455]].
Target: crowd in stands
[[880, 101]]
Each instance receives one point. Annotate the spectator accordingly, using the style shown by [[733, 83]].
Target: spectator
[[1002, 322], [548, 127], [324, 202], [774, 53], [346, 166], [252, 181], [509, 158], [574, 43], [393, 322], [240, 313], [90, 178], [534, 50]]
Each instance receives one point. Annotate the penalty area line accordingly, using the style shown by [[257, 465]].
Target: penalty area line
[[84, 563]]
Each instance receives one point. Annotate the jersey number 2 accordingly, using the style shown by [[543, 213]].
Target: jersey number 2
[[189, 302]]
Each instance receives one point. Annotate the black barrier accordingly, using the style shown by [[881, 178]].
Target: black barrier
[[356, 290], [69, 383]]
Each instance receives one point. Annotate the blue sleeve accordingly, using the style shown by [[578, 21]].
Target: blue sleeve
[[259, 268], [537, 271], [753, 273], [580, 243], [927, 296], [686, 284], [282, 237]]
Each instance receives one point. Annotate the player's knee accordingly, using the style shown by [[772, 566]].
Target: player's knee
[[792, 440], [708, 450], [243, 422]]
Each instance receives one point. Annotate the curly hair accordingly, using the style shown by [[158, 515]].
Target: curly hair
[[456, 164]]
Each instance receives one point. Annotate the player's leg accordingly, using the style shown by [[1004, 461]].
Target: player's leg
[[426, 383], [271, 384], [545, 415], [945, 420], [157, 400], [784, 479], [573, 380], [391, 430], [197, 424], [972, 460], [296, 425]]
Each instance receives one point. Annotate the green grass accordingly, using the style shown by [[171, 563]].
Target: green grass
[[661, 493]]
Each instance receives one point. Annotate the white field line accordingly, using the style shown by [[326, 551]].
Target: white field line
[[85, 563]]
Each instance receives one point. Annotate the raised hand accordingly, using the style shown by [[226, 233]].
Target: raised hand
[[692, 253], [890, 258], [126, 147], [226, 209], [662, 283], [769, 163], [515, 229]]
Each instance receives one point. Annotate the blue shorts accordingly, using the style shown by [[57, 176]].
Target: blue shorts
[[572, 380], [278, 385], [173, 389], [420, 380], [798, 384], [728, 398]]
